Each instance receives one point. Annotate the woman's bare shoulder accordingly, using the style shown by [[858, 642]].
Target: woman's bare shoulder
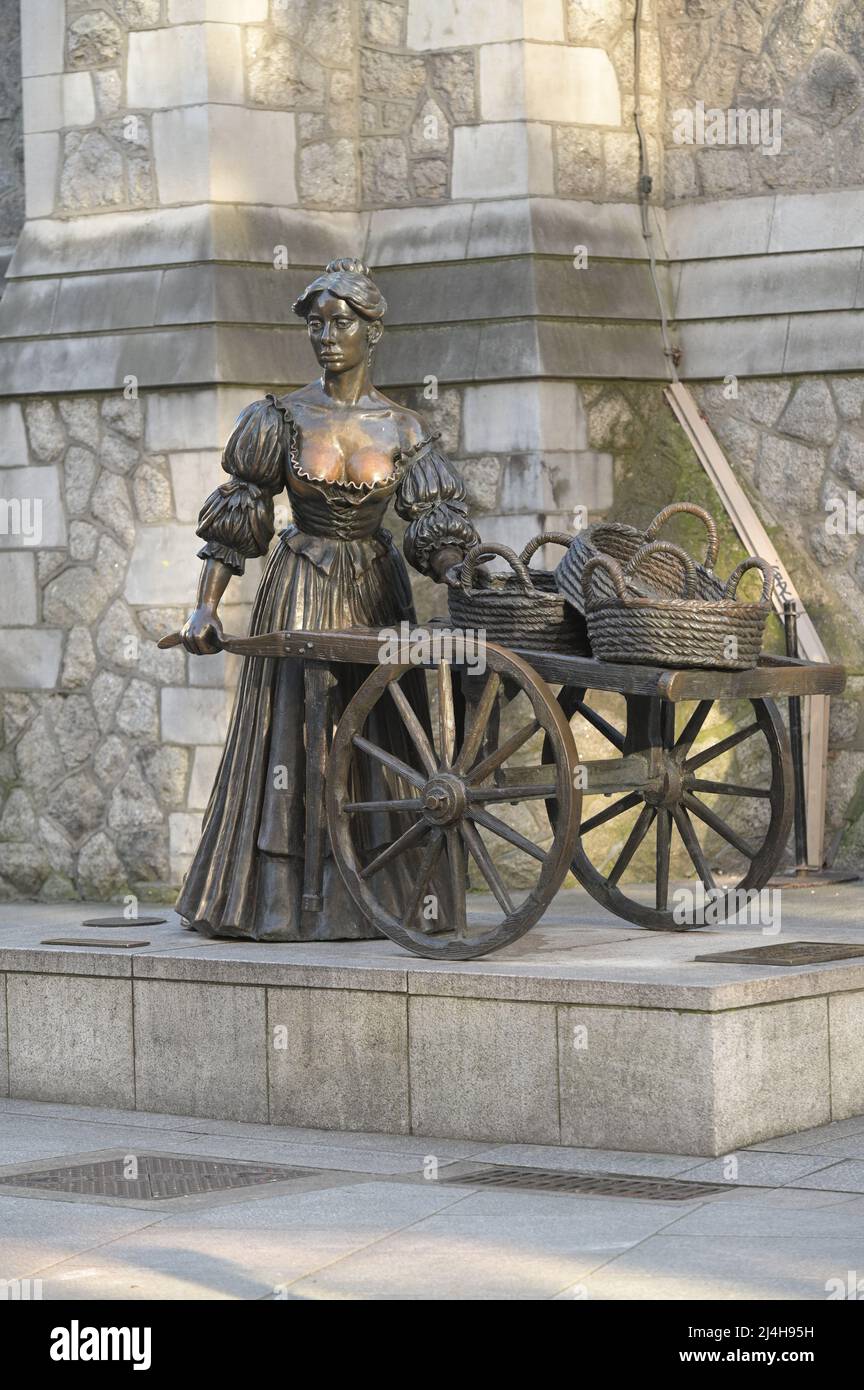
[[413, 427]]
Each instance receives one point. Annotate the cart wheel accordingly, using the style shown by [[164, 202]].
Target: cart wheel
[[690, 789], [452, 800]]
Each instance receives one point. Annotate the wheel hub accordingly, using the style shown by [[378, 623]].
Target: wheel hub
[[444, 799], [669, 787]]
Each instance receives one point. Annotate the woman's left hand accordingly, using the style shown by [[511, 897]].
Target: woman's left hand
[[447, 565]]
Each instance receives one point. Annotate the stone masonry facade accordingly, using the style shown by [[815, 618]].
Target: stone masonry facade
[[467, 143]]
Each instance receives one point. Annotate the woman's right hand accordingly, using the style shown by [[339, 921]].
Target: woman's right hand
[[201, 633]]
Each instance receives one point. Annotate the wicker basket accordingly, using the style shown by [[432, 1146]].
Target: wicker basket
[[522, 609], [659, 575], [686, 631]]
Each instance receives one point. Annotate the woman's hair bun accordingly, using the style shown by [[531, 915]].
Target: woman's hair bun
[[349, 264]]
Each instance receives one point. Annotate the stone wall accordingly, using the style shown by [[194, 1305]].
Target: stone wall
[[805, 57], [109, 746], [176, 149], [11, 150]]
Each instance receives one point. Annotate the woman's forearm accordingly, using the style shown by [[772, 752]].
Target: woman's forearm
[[212, 583]]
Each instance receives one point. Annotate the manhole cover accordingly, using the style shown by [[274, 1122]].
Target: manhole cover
[[153, 1177], [126, 923], [592, 1184], [789, 953]]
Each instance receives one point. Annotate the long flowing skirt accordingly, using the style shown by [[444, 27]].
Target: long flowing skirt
[[246, 878]]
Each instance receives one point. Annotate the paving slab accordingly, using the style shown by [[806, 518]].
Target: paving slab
[[254, 1250], [493, 1245], [669, 1267], [37, 1234]]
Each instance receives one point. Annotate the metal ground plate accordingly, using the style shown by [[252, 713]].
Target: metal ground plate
[[148, 1177], [589, 1184], [124, 923], [788, 953]]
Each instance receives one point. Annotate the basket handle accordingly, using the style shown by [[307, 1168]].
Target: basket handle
[[655, 547], [485, 551], [545, 538], [705, 517], [753, 563], [613, 569]]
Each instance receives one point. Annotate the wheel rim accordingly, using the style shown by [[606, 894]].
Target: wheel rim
[[678, 807], [455, 806]]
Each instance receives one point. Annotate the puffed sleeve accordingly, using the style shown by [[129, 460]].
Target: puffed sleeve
[[432, 497], [236, 521]]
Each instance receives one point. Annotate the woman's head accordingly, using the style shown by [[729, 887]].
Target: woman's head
[[343, 309]]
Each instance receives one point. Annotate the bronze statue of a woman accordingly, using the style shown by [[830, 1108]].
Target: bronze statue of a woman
[[343, 450]]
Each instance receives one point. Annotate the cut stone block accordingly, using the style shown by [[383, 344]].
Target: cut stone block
[[70, 1039], [484, 1069], [548, 82], [18, 598], [846, 1027], [194, 475], [338, 1060], [200, 1050], [225, 153], [31, 513], [191, 713], [50, 103], [204, 770], [458, 23], [42, 35], [219, 11], [184, 67], [41, 160], [502, 159], [665, 1081], [163, 570], [523, 415], [13, 437], [30, 658], [175, 417]]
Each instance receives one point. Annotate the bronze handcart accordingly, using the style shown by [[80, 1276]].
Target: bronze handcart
[[497, 762]]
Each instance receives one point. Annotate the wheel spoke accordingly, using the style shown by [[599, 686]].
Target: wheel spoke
[[693, 726], [410, 804], [389, 760], [410, 837], [723, 830], [616, 809], [500, 755], [609, 732], [693, 847], [708, 755], [471, 836], [456, 860], [446, 714], [632, 843], [474, 737], [505, 832], [412, 723], [530, 792], [431, 855], [728, 788], [664, 840]]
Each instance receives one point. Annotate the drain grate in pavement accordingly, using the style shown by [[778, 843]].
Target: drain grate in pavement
[[153, 1177], [592, 1184]]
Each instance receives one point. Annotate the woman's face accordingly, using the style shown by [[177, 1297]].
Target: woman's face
[[340, 338]]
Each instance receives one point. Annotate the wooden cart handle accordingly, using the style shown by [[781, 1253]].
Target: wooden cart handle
[[692, 510]]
